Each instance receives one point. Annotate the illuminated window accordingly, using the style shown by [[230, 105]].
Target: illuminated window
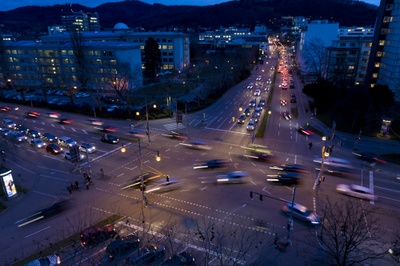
[[379, 54], [387, 19], [381, 42], [377, 64], [375, 75]]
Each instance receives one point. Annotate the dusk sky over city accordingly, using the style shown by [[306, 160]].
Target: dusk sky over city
[[6, 5]]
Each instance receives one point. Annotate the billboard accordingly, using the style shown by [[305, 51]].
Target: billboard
[[8, 183]]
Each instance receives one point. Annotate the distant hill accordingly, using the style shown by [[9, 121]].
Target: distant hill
[[34, 19]]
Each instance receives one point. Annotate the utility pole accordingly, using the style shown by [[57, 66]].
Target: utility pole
[[290, 222]]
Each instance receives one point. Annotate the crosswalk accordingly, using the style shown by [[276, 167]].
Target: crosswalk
[[173, 126]]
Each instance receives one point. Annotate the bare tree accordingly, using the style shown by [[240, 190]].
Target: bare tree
[[349, 233], [315, 59], [82, 65]]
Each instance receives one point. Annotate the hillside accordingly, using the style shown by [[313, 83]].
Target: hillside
[[35, 19]]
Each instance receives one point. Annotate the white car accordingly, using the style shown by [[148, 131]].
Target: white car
[[164, 186], [301, 212], [50, 260], [356, 191], [236, 177], [86, 147], [112, 108], [257, 92], [250, 86]]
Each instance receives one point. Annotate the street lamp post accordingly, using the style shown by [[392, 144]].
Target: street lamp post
[[324, 154]]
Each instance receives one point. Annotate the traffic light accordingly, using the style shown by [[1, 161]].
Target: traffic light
[[251, 194]]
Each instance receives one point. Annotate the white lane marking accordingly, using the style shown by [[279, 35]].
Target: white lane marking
[[371, 184], [37, 232]]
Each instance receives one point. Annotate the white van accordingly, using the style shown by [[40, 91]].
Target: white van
[[66, 142]]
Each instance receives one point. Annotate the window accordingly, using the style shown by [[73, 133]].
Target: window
[[381, 42], [375, 75], [350, 67], [377, 64], [387, 19], [379, 54], [389, 7]]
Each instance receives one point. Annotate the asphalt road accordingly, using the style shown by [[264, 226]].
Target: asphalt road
[[199, 204]]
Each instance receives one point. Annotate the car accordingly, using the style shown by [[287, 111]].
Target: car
[[22, 129], [96, 122], [252, 103], [48, 137], [284, 86], [96, 235], [196, 145], [258, 78], [247, 112], [269, 80], [305, 131], [82, 95], [109, 139], [122, 246], [109, 129], [212, 164], [257, 111], [356, 191], [17, 136], [284, 178], [33, 134], [112, 108], [183, 258], [254, 117], [260, 106], [66, 142], [241, 119], [251, 125], [146, 255], [283, 102], [164, 186], [235, 177], [38, 143], [262, 102], [287, 115], [174, 135], [301, 213], [250, 86], [5, 108], [66, 121], [87, 148], [68, 156], [54, 115], [8, 123], [297, 168], [53, 148], [33, 114], [257, 92], [141, 133], [4, 131], [50, 260], [369, 157]]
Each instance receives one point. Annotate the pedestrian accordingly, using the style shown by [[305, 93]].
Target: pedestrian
[[167, 177], [76, 185], [69, 190], [310, 145], [102, 172], [87, 185]]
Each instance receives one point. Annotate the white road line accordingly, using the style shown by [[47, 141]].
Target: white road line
[[371, 184], [37, 232]]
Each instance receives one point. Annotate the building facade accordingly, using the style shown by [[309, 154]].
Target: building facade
[[80, 21], [384, 67]]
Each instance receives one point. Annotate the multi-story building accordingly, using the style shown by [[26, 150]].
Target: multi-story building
[[347, 57], [80, 21], [384, 66], [33, 64]]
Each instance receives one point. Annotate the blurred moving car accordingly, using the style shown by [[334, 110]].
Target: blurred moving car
[[146, 255], [122, 246], [236, 177], [197, 145], [112, 108], [174, 135], [96, 234], [289, 168], [66, 121], [301, 213], [4, 131], [284, 178], [287, 115], [369, 157], [54, 115], [109, 139], [283, 102], [305, 131], [183, 258], [53, 148], [96, 122], [50, 260], [33, 114], [356, 191], [5, 108], [212, 164], [87, 147], [257, 92], [110, 129], [137, 133], [164, 186]]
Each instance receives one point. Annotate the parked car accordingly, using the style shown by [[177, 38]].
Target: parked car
[[112, 108], [50, 260], [301, 213], [122, 246], [53, 148], [97, 234], [109, 139], [145, 255], [183, 258]]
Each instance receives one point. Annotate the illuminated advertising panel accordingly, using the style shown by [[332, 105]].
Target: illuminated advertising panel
[[8, 183]]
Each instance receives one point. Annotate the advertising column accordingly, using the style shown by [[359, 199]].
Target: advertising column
[[7, 182]]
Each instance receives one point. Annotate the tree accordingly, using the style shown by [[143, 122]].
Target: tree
[[349, 233], [152, 58], [314, 59], [4, 67], [82, 65]]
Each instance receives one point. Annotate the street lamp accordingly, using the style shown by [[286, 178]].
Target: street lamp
[[324, 154]]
